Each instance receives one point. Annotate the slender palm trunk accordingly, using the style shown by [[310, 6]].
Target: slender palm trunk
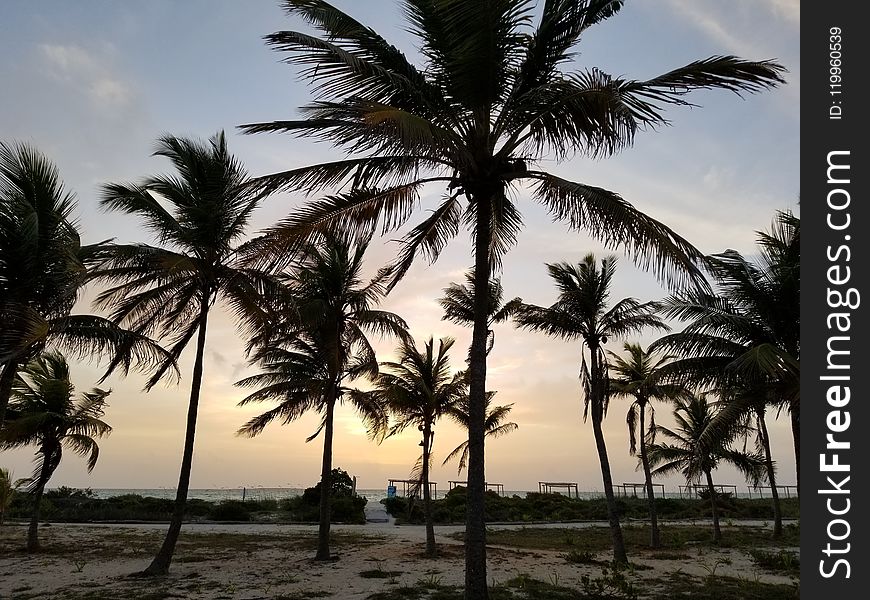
[[45, 472], [326, 482], [771, 474], [7, 378], [717, 531], [619, 553], [655, 538], [795, 413], [161, 562], [475, 520], [431, 550]]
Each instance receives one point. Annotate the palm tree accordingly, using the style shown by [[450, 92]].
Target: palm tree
[[458, 305], [198, 216], [687, 455], [581, 312], [44, 413], [418, 390], [495, 426], [315, 344], [636, 377], [494, 95], [42, 272], [745, 339], [8, 488]]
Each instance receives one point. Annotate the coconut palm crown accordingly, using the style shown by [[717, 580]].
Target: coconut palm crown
[[43, 270]]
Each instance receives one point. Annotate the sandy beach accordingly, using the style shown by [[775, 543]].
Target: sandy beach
[[271, 561]]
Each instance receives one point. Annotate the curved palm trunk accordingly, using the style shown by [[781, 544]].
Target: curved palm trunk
[[7, 378], [619, 553], [771, 475], [717, 531], [431, 550], [326, 482], [655, 538], [161, 562], [475, 520], [45, 472], [796, 436]]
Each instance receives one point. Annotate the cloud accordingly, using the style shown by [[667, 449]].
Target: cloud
[[736, 25], [86, 72]]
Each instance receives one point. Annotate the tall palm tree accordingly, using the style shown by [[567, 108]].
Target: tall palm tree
[[496, 425], [687, 455], [43, 271], [44, 413], [745, 337], [418, 390], [635, 376], [198, 217], [581, 313], [315, 344], [494, 95], [458, 305]]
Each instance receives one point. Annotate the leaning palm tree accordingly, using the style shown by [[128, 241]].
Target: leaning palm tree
[[314, 343], [418, 390], [635, 376], [458, 305], [495, 93], [44, 413], [687, 455], [42, 273], [496, 425], [581, 313], [198, 216]]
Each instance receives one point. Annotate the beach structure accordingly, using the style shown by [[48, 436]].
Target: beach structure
[[498, 488], [758, 490], [635, 489], [407, 486], [554, 487]]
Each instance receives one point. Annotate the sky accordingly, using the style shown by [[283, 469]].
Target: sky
[[92, 84]]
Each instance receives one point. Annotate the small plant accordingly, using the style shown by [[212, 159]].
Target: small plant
[[580, 558], [431, 581], [554, 579], [612, 585], [782, 560], [79, 564]]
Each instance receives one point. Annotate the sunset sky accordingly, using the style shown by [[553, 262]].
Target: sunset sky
[[92, 84]]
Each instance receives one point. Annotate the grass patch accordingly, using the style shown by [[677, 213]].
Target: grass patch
[[783, 561], [597, 539], [679, 585], [379, 574]]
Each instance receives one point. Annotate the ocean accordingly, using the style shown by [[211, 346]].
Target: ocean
[[376, 494]]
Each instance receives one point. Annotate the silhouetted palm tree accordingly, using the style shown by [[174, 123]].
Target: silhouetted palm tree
[[494, 94], [418, 390], [44, 413], [315, 344], [43, 271], [635, 376], [745, 338], [496, 425], [199, 216], [8, 488], [581, 312], [687, 455], [458, 305]]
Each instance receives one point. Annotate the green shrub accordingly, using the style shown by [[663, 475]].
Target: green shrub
[[231, 510]]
